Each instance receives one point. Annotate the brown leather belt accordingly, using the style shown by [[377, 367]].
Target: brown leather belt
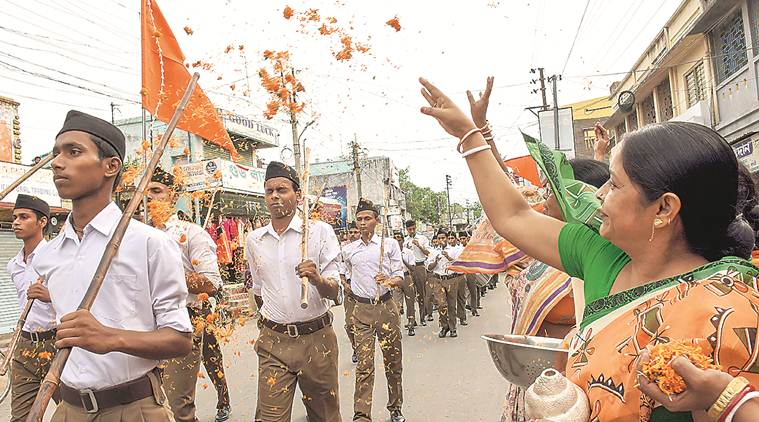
[[445, 277], [95, 401], [37, 336], [299, 328], [372, 301]]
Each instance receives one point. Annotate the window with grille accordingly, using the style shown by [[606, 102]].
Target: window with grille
[[664, 93], [633, 120], [695, 84], [730, 47], [648, 110]]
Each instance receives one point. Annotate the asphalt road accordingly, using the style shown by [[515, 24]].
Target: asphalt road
[[443, 379]]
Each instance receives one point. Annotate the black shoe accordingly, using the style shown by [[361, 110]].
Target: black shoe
[[453, 333], [430, 318], [479, 306], [396, 416], [475, 313], [423, 322], [443, 332], [411, 331], [463, 322], [222, 415], [467, 307], [354, 359]]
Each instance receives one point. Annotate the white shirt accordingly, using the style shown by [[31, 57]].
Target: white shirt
[[442, 265], [144, 290], [198, 252], [362, 261], [408, 258], [42, 315], [423, 241], [272, 259]]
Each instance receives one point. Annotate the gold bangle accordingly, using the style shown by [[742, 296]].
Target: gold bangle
[[734, 387]]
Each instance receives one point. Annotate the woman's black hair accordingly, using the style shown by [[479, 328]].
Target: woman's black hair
[[695, 163], [592, 172]]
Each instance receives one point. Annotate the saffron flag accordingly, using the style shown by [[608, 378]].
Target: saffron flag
[[165, 78]]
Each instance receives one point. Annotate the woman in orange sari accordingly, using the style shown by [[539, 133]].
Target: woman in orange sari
[[659, 268]]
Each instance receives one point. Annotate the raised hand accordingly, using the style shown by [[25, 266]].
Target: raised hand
[[446, 112], [479, 108], [602, 142]]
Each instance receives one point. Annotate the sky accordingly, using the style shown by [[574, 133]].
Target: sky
[[55, 56]]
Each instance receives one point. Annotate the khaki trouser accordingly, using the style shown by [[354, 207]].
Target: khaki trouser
[[180, 378], [310, 361], [147, 410], [445, 292], [382, 322], [213, 361], [474, 291], [28, 369], [350, 304], [423, 293], [406, 294], [461, 298]]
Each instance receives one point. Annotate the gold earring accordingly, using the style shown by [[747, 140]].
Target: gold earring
[[653, 228]]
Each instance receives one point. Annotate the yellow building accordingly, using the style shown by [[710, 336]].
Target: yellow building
[[585, 114]]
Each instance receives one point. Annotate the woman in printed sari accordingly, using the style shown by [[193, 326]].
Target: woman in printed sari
[[541, 296], [660, 268]]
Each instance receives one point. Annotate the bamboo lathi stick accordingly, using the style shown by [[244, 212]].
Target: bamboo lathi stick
[[304, 283]]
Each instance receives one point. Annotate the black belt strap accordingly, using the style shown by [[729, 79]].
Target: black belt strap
[[95, 401], [299, 328], [372, 301], [37, 336]]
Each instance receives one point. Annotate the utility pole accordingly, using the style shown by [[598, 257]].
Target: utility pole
[[448, 184], [542, 89], [356, 165], [467, 212], [554, 79]]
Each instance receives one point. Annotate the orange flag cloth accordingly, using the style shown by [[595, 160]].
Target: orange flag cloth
[[165, 78]]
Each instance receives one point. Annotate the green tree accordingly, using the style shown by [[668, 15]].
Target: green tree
[[428, 206]]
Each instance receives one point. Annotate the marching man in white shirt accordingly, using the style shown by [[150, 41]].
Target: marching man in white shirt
[[201, 271], [139, 316], [296, 346], [35, 350], [406, 293], [375, 314], [446, 284], [420, 246]]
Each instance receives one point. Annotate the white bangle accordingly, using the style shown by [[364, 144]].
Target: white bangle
[[463, 138], [747, 397], [475, 150]]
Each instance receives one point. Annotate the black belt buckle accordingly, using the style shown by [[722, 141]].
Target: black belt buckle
[[292, 330], [88, 394]]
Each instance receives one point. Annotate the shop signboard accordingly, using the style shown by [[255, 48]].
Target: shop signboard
[[40, 184], [340, 194], [747, 152]]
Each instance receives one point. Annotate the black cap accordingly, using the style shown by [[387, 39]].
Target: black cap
[[442, 231], [32, 203], [277, 169], [162, 176], [366, 205], [83, 122], [397, 233], [352, 225], [410, 223]]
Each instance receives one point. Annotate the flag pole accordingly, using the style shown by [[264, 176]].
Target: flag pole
[[52, 379]]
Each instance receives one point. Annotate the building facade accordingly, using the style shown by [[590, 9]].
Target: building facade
[[701, 67]]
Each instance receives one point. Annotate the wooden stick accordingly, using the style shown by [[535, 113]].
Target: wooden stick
[[210, 208], [304, 283], [384, 234], [16, 335], [26, 175], [52, 379]]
